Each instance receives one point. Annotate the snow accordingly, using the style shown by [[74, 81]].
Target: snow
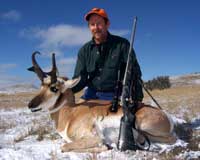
[[189, 155], [185, 80], [196, 123], [20, 140], [197, 81], [186, 75]]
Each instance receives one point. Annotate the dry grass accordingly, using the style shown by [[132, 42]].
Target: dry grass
[[17, 100], [172, 100], [179, 98]]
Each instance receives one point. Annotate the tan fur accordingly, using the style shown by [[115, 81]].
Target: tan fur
[[76, 123], [79, 123]]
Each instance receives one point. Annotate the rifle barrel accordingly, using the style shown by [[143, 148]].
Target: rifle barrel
[[130, 48]]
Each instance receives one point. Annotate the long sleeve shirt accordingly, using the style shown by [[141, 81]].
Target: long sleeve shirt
[[98, 65]]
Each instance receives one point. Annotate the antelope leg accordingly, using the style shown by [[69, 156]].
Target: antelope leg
[[83, 144]]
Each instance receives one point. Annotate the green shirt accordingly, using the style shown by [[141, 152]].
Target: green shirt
[[98, 65]]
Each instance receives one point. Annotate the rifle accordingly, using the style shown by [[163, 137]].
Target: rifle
[[117, 92], [126, 139]]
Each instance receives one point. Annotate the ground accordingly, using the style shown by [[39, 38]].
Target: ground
[[25, 135]]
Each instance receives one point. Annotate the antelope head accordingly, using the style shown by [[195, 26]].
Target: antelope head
[[53, 88]]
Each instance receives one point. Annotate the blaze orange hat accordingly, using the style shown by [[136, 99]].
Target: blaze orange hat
[[99, 11]]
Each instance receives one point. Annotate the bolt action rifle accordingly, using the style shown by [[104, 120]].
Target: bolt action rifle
[[126, 139]]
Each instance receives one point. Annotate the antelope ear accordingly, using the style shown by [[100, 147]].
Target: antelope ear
[[31, 69], [71, 83]]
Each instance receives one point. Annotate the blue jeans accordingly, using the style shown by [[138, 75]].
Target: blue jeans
[[90, 93]]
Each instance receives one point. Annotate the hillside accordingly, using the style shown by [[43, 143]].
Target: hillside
[[185, 80], [18, 88], [182, 96]]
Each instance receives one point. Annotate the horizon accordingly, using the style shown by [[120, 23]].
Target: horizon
[[166, 41]]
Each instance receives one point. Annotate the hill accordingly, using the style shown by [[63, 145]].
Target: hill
[[18, 88], [185, 80]]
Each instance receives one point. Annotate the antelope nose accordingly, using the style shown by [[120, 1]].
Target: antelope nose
[[34, 103], [33, 107]]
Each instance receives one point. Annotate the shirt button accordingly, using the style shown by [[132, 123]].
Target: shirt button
[[100, 69], [98, 52], [99, 78]]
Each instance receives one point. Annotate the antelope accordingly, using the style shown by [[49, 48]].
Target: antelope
[[89, 126]]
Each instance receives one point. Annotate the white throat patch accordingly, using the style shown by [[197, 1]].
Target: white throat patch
[[46, 105], [57, 108]]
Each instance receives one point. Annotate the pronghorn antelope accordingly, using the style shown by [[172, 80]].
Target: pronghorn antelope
[[89, 125]]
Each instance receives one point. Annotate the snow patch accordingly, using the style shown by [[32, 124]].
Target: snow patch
[[20, 140]]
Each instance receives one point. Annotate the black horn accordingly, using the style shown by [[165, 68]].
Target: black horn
[[36, 68], [54, 71]]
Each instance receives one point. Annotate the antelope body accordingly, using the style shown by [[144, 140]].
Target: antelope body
[[89, 125]]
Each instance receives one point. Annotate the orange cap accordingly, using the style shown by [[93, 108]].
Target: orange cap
[[98, 11]]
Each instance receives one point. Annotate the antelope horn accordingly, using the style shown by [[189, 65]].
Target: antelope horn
[[36, 68], [53, 72]]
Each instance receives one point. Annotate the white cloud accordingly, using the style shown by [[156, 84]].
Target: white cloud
[[66, 66], [11, 15], [121, 32], [64, 35], [5, 67], [55, 38], [67, 61]]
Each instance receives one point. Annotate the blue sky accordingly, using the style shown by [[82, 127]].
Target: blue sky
[[166, 43]]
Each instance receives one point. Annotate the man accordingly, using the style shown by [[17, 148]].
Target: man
[[102, 61]]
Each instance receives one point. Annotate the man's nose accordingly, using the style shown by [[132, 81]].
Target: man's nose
[[95, 25]]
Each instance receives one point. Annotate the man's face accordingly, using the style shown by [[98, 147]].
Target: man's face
[[98, 28]]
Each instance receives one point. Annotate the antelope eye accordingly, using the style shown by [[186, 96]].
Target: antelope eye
[[53, 89]]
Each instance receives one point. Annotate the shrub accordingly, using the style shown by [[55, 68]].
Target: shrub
[[161, 82]]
